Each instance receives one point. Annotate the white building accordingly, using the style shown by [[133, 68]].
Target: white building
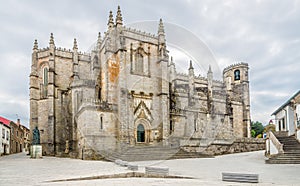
[[4, 136], [287, 116]]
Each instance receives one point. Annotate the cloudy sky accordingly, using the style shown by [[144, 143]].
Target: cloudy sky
[[265, 34]]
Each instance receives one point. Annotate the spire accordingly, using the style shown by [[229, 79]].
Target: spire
[[35, 45], [99, 41], [210, 78], [119, 18], [110, 20], [209, 69], [75, 47], [99, 37], [161, 29], [51, 39], [161, 32], [172, 63], [191, 65]]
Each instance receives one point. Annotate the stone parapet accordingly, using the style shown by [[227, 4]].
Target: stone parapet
[[219, 147]]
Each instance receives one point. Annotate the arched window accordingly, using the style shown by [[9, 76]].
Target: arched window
[[45, 76], [44, 84], [237, 75], [139, 63]]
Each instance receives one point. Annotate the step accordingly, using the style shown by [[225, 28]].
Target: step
[[282, 162], [283, 157]]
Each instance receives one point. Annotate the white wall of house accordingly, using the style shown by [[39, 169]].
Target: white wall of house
[[298, 113], [284, 120], [278, 120], [4, 139], [290, 121], [297, 124]]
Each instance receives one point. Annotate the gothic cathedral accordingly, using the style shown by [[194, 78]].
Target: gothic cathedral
[[126, 91]]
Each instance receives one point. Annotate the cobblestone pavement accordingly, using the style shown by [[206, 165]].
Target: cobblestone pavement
[[19, 169]]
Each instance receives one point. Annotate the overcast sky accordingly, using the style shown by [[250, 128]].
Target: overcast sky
[[265, 34]]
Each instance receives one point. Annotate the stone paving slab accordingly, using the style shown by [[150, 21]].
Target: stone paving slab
[[19, 169]]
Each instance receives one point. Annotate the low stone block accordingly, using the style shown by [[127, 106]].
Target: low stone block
[[240, 177], [133, 167], [161, 171], [36, 151]]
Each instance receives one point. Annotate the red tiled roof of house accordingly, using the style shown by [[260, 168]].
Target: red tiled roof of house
[[4, 121]]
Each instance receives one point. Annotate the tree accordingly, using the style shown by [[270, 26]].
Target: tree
[[270, 127], [253, 133], [257, 127]]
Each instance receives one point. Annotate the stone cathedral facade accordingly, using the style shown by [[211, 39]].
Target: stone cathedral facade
[[127, 91]]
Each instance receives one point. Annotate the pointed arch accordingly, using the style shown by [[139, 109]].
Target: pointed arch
[[45, 76], [142, 131]]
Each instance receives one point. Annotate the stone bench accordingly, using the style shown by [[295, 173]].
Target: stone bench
[[161, 171], [239, 177], [132, 167]]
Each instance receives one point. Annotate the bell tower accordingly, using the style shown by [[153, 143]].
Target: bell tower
[[236, 81]]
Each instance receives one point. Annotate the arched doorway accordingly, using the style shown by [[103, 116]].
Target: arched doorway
[[140, 133]]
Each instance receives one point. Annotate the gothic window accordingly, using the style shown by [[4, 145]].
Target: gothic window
[[44, 84], [237, 75], [195, 125], [45, 76], [171, 127], [139, 63], [99, 94], [140, 60], [101, 122]]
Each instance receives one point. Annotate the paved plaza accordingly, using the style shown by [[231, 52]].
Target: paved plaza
[[19, 169]]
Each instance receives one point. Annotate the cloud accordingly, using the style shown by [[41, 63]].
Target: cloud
[[264, 34]]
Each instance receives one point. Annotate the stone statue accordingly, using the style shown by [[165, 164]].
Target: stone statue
[[36, 136]]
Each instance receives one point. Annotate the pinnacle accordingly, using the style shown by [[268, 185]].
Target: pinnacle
[[99, 37], [75, 44], [119, 19], [51, 39], [209, 69], [161, 27], [172, 63], [35, 45], [110, 19], [191, 65]]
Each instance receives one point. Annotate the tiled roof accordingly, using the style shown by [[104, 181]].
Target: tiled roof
[[4, 121]]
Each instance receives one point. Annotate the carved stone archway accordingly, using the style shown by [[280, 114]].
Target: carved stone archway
[[142, 131]]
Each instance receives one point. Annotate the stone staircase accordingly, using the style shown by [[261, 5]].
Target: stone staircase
[[146, 153], [291, 148]]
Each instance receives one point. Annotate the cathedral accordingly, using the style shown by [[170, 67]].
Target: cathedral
[[127, 91]]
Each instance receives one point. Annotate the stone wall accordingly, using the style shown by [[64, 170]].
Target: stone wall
[[219, 147]]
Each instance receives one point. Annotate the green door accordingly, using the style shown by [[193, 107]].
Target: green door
[[140, 133]]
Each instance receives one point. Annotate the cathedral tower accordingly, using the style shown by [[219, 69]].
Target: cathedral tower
[[237, 85]]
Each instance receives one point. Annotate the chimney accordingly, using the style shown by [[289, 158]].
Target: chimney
[[18, 121]]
